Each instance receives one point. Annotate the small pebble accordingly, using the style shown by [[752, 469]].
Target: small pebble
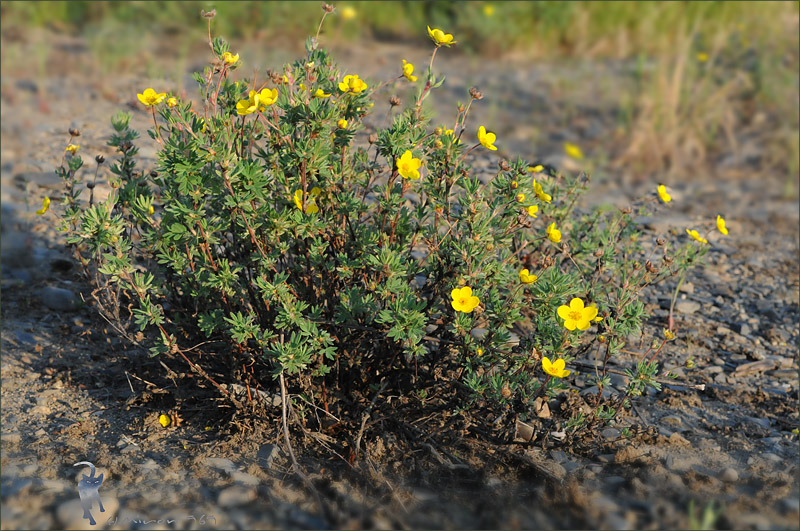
[[729, 475]]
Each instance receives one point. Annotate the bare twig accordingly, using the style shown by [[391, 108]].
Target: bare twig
[[365, 417]]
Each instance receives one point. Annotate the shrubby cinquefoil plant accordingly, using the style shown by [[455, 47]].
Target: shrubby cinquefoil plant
[[294, 242]]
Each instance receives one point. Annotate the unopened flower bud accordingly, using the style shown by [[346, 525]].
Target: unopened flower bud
[[90, 186], [74, 132], [627, 210], [506, 392], [153, 174], [504, 165], [475, 93], [327, 8], [490, 247], [438, 144], [601, 339], [461, 108], [373, 138], [125, 146], [637, 266], [438, 131], [514, 185], [100, 159], [208, 14], [667, 259], [520, 198]]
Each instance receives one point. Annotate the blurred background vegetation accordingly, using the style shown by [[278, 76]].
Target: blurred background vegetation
[[702, 70]]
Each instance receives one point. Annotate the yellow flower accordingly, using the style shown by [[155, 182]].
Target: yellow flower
[[573, 151], [464, 300], [150, 97], [172, 102], [721, 225], [668, 334], [696, 236], [311, 200], [342, 124], [526, 277], [408, 69], [487, 139], [532, 210], [450, 132], [520, 198], [408, 166], [662, 193], [72, 148], [351, 83], [348, 13], [480, 352], [488, 10], [229, 58], [267, 97], [576, 315], [535, 169], [440, 38], [248, 106], [539, 191], [45, 206], [553, 234], [151, 210], [164, 420], [702, 57], [555, 369], [319, 93]]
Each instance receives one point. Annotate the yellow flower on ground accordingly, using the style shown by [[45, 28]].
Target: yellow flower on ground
[[45, 206], [555, 369], [311, 200], [539, 191], [669, 335], [464, 300], [172, 102], [348, 13], [164, 420], [150, 97], [573, 151], [408, 69], [408, 166], [663, 195], [553, 234], [488, 10], [696, 236], [702, 57], [351, 83], [532, 210], [576, 315], [229, 58], [342, 124], [535, 169], [487, 140], [440, 38], [721, 225], [526, 277], [319, 93], [72, 148]]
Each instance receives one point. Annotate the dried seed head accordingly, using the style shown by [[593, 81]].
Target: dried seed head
[[74, 132], [394, 101], [153, 174], [506, 392], [660, 241], [598, 253], [627, 210], [504, 165], [637, 266], [100, 159], [274, 76], [461, 108], [650, 267], [667, 259], [90, 186], [208, 14], [373, 138], [327, 8], [475, 93], [125, 146]]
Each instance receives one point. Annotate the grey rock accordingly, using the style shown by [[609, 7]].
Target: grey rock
[[220, 463], [236, 495], [11, 437], [245, 478], [729, 475], [742, 328], [267, 454], [610, 433], [687, 307], [59, 299], [791, 505], [713, 369], [721, 378]]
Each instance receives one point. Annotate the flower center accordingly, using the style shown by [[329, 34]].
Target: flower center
[[575, 315], [463, 301]]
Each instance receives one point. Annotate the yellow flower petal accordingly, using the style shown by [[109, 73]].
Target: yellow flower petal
[[45, 206]]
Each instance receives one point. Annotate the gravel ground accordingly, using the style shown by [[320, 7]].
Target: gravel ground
[[71, 391]]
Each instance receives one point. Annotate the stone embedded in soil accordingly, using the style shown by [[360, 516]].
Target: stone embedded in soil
[[267, 454], [236, 495], [11, 437], [610, 433], [220, 463], [729, 475], [687, 307], [59, 299]]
